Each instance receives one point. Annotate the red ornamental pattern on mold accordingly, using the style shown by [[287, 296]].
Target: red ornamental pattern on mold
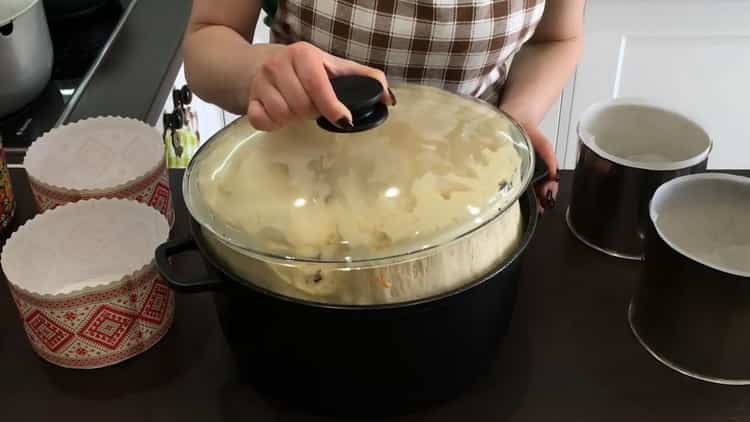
[[152, 190], [7, 200], [99, 328]]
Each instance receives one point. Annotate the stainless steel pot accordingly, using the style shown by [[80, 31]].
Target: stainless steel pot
[[25, 53], [691, 308], [627, 148]]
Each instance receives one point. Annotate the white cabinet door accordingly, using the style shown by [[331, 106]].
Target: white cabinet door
[[691, 54], [262, 32]]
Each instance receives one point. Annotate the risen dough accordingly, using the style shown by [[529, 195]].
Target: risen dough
[[464, 261], [419, 180]]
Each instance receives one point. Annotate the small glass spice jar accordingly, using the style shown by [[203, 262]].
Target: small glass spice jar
[[7, 200]]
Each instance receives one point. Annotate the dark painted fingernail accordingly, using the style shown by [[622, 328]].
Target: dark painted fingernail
[[393, 97], [344, 123]]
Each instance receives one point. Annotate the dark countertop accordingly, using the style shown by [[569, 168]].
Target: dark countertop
[[137, 72], [569, 356]]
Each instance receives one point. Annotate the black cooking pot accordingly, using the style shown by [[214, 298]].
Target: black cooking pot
[[422, 340], [353, 358]]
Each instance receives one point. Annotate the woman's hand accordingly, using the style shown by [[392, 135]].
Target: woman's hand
[[294, 84], [546, 190]]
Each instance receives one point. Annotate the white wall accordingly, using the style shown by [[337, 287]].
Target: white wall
[[693, 55]]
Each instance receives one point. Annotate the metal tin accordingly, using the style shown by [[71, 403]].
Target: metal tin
[[25, 53], [628, 148], [690, 310]]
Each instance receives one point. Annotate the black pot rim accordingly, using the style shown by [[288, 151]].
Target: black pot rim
[[529, 213]]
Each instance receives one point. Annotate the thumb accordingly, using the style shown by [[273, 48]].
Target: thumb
[[546, 192], [340, 67], [543, 147]]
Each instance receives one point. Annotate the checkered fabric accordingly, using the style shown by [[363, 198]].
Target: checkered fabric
[[463, 46]]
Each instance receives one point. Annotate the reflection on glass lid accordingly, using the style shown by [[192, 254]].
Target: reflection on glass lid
[[439, 167]]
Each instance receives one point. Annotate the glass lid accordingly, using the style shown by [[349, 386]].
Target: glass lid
[[430, 170]]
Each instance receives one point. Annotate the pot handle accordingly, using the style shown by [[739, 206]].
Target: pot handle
[[7, 29], [167, 250]]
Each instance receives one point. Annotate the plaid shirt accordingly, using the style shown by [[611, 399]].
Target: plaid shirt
[[463, 46]]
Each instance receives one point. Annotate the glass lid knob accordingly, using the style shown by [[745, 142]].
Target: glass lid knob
[[363, 96]]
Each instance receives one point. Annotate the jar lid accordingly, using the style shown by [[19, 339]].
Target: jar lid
[[431, 170]]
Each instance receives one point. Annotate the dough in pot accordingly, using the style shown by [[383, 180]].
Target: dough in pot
[[388, 192], [449, 268]]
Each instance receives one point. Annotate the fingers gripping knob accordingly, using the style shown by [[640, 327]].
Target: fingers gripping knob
[[363, 96]]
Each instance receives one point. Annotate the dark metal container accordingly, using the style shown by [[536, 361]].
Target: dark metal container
[[627, 149], [350, 359], [692, 308]]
